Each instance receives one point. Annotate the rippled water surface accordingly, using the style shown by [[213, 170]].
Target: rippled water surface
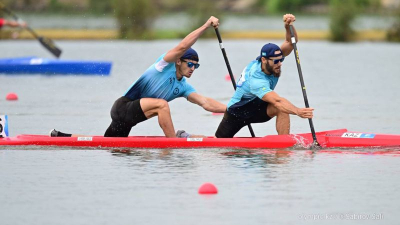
[[352, 86]]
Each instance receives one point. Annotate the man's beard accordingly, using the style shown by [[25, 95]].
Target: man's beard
[[271, 71]]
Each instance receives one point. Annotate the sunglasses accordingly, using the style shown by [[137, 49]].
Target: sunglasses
[[190, 64], [276, 61]]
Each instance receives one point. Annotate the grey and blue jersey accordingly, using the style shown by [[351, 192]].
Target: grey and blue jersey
[[252, 84], [159, 81]]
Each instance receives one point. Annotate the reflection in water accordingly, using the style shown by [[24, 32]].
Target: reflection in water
[[162, 159], [271, 163], [162, 153], [266, 157], [269, 156]]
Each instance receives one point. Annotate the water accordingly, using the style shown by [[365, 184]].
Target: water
[[351, 86]]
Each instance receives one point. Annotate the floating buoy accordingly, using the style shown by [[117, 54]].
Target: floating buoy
[[11, 97], [208, 188]]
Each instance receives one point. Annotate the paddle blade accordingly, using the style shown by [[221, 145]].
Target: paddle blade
[[315, 145], [49, 45]]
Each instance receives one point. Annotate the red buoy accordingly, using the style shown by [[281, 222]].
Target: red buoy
[[208, 188], [11, 97]]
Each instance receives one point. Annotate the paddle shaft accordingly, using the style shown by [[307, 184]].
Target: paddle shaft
[[47, 43], [303, 87], [221, 45]]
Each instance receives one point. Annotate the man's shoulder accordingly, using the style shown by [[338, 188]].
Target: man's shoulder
[[253, 67], [163, 66], [253, 64]]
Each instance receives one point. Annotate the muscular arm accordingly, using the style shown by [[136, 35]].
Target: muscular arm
[[175, 53], [285, 106], [208, 104], [280, 103], [287, 47]]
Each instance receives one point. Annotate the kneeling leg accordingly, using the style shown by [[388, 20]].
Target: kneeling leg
[[282, 119]]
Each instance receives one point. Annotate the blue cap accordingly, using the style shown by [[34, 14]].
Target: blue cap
[[190, 54], [269, 50]]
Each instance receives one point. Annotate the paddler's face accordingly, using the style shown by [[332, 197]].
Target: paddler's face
[[186, 67], [273, 64]]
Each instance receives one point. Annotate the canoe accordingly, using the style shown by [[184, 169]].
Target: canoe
[[35, 65], [327, 139]]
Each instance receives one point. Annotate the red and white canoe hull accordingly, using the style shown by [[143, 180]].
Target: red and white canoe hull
[[327, 139]]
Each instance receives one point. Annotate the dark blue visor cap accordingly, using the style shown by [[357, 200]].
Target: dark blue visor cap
[[190, 54], [268, 50]]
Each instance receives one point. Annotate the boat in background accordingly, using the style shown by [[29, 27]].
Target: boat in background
[[328, 139], [36, 65]]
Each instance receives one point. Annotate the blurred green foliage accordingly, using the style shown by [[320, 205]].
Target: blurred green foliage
[[56, 6], [279, 6], [296, 6], [200, 12], [135, 18], [342, 14], [393, 34], [106, 6], [367, 4], [101, 6]]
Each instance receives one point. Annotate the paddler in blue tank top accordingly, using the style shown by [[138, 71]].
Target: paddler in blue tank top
[[255, 100], [162, 82]]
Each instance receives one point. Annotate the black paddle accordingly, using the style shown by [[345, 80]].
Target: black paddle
[[230, 70], [303, 87], [47, 43]]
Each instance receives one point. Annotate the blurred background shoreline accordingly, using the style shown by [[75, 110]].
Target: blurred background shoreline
[[336, 20], [233, 26]]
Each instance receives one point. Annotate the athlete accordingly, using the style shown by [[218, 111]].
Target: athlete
[[255, 100], [162, 82]]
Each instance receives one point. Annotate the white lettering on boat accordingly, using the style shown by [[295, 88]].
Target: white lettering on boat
[[357, 135], [351, 135], [36, 61], [3, 126], [85, 138], [194, 139]]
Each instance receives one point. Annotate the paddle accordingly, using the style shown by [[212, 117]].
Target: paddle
[[303, 87], [230, 70], [47, 43]]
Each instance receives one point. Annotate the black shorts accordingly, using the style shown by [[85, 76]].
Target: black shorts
[[231, 124], [125, 114]]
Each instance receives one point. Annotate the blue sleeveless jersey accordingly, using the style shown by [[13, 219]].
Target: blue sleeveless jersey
[[159, 81], [253, 83]]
